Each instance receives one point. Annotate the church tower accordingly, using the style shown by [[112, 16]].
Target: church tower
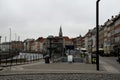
[[60, 32]]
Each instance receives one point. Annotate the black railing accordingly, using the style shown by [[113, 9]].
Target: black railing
[[9, 60]]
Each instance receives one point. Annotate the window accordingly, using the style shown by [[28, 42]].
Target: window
[[117, 22], [117, 39]]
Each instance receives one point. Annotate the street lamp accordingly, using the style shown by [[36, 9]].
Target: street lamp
[[97, 34], [0, 39], [0, 42]]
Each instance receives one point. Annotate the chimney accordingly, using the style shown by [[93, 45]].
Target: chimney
[[116, 16]]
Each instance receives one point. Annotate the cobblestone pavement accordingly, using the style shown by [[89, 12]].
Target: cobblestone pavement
[[60, 71], [61, 76]]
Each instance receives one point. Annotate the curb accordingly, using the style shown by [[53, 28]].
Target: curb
[[1, 68], [37, 73]]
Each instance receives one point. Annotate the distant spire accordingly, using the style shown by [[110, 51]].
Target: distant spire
[[60, 32]]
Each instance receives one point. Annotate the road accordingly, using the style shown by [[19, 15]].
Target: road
[[111, 61]]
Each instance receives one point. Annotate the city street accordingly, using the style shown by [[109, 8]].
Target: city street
[[111, 61], [107, 65], [109, 70]]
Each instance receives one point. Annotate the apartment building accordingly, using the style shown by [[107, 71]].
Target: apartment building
[[67, 41], [88, 41], [14, 45], [117, 34], [41, 45], [109, 37], [28, 44]]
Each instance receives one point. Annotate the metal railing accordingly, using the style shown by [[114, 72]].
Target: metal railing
[[23, 58]]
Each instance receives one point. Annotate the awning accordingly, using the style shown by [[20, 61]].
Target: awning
[[100, 48], [83, 48]]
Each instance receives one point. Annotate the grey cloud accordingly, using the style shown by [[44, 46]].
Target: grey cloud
[[35, 18]]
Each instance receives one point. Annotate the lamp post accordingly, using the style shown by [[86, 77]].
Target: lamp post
[[0, 42], [97, 34], [0, 50], [0, 39]]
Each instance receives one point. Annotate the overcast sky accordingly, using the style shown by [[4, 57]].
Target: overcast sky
[[36, 18]]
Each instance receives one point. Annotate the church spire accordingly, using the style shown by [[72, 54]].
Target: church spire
[[60, 32]]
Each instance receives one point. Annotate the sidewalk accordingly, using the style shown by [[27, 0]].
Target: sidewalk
[[1, 68], [60, 71], [41, 67], [109, 67]]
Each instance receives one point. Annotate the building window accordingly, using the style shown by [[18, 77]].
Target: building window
[[117, 22], [117, 39]]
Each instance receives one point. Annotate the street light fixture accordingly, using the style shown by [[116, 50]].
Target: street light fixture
[[97, 34]]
